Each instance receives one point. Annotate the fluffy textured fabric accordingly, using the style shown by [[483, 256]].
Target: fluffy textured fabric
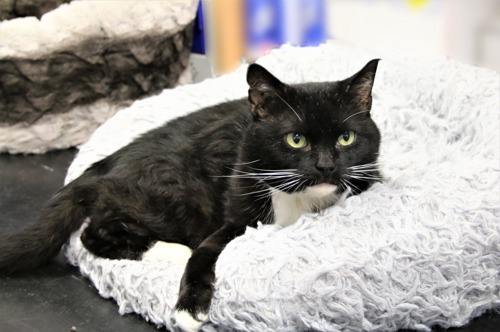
[[83, 58], [419, 249]]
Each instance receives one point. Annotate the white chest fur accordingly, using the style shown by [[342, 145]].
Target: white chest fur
[[289, 207]]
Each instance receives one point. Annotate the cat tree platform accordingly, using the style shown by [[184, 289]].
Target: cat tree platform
[[65, 73]]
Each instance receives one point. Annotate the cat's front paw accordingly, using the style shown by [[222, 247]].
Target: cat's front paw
[[193, 304], [187, 322], [192, 307]]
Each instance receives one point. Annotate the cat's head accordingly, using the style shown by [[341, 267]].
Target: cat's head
[[313, 135]]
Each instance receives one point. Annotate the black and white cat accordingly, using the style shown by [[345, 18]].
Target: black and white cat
[[201, 179]]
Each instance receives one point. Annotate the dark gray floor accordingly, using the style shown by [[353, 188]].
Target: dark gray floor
[[56, 298]]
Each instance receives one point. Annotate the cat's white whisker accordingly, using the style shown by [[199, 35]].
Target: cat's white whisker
[[364, 170], [287, 185], [373, 172], [282, 187], [350, 184], [282, 177], [273, 170], [264, 194], [262, 175], [357, 177], [286, 103], [266, 191], [371, 167], [246, 163], [350, 116], [367, 165], [263, 171]]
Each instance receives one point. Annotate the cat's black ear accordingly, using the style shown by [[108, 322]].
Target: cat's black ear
[[360, 84], [263, 85]]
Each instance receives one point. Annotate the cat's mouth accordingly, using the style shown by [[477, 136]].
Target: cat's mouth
[[315, 187], [311, 186]]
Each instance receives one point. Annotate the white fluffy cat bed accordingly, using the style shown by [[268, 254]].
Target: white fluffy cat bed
[[420, 249], [63, 75]]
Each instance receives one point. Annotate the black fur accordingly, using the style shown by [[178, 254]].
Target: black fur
[[200, 180]]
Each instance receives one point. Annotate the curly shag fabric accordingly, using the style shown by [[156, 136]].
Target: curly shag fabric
[[68, 71], [420, 249]]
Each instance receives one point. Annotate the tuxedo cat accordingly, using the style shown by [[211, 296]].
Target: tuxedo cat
[[201, 179]]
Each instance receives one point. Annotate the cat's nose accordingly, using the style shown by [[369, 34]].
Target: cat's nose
[[325, 164], [325, 170]]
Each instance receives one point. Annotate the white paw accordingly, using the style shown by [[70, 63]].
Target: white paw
[[175, 253], [188, 323]]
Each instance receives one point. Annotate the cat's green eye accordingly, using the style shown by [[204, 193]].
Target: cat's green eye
[[347, 138], [295, 140]]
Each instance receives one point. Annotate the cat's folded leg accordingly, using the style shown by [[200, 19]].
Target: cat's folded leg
[[197, 284], [116, 238]]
